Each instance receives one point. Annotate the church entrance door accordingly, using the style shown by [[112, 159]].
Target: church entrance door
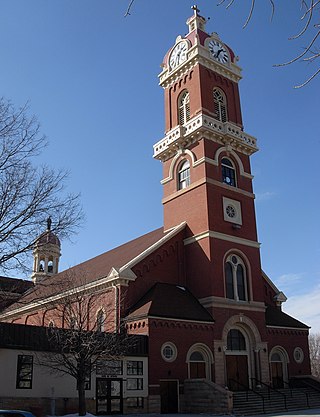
[[277, 374], [237, 372], [169, 396], [109, 396]]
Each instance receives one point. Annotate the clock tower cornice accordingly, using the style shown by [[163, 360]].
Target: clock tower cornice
[[198, 54]]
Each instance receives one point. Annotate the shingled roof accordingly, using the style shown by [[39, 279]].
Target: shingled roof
[[170, 301], [277, 318], [12, 289]]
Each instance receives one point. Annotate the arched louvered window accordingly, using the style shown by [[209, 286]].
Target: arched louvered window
[[220, 105], [184, 175], [235, 279], [229, 280], [184, 108], [228, 172]]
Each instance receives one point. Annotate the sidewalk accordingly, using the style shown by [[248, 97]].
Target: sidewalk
[[300, 413]]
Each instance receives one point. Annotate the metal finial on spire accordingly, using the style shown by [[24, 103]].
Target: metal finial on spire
[[49, 222], [195, 9]]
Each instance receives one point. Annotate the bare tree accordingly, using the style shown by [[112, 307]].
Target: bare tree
[[311, 52], [314, 347], [29, 194], [80, 332]]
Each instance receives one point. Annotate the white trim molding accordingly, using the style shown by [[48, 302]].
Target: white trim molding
[[222, 236]]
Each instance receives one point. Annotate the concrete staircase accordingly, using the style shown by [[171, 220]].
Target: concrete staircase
[[202, 396], [271, 401]]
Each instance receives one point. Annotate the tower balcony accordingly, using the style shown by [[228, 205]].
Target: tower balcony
[[203, 126]]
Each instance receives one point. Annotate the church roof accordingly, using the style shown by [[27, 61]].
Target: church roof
[[277, 318], [14, 285], [170, 301], [98, 267]]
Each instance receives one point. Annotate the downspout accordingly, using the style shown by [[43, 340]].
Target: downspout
[[116, 309]]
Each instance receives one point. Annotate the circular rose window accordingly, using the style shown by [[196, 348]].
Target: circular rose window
[[298, 355], [169, 352]]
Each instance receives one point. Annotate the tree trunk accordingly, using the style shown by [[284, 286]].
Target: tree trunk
[[82, 398]]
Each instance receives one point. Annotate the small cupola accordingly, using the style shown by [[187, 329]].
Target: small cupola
[[196, 22], [46, 254]]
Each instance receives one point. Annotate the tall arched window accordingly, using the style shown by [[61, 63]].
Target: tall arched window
[[184, 108], [220, 105], [235, 279], [184, 175], [228, 172]]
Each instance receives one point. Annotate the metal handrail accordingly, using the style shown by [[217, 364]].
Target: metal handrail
[[247, 389], [274, 390], [289, 387]]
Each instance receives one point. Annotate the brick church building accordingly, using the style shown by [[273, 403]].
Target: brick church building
[[195, 287]]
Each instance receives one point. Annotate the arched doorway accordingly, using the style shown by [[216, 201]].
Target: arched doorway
[[237, 363], [278, 367], [199, 360]]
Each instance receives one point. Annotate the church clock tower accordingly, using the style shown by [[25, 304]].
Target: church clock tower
[[205, 153]]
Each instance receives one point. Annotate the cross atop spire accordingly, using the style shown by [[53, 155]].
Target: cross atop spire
[[195, 9], [196, 21]]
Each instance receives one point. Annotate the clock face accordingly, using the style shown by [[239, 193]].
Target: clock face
[[178, 54], [218, 51]]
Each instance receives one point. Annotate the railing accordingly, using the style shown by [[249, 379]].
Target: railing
[[302, 392], [307, 385], [181, 133], [247, 390], [271, 389]]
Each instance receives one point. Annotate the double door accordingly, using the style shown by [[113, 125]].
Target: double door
[[237, 372], [109, 394]]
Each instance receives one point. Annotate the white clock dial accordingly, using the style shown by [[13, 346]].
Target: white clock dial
[[178, 54], [218, 51]]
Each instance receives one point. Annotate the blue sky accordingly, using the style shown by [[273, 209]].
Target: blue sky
[[90, 76]]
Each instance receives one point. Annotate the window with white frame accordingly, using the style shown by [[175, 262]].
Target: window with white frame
[[135, 384], [228, 172], [220, 105], [134, 368], [235, 279], [184, 175], [24, 371], [184, 107]]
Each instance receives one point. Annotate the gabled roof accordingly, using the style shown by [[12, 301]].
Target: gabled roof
[[277, 318], [102, 269], [172, 302]]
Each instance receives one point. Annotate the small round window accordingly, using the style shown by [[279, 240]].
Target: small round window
[[169, 352], [298, 355], [231, 211]]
